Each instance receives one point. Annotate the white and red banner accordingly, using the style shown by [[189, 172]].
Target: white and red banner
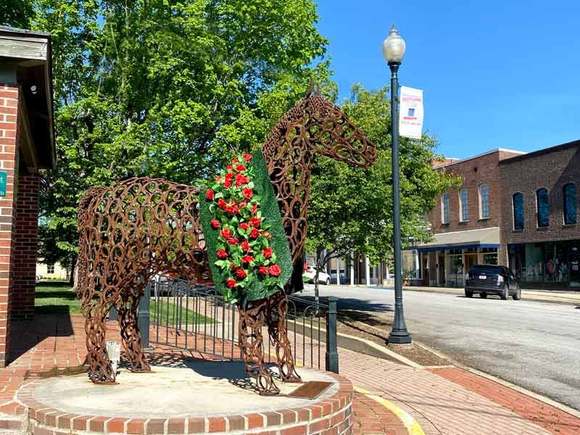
[[411, 112]]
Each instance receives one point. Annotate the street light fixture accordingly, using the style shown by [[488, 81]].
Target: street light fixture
[[393, 51]]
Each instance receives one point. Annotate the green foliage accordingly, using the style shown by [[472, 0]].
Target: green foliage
[[163, 88], [351, 208]]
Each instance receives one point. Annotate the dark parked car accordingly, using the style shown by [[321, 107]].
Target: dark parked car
[[488, 279]]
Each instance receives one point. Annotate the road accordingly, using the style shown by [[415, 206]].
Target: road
[[532, 344]]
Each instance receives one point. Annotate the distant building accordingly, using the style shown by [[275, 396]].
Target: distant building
[[514, 209], [540, 221], [465, 223], [52, 271]]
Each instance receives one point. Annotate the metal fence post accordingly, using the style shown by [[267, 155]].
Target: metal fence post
[[143, 317], [331, 344]]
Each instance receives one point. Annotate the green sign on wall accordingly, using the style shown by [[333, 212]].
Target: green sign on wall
[[3, 178]]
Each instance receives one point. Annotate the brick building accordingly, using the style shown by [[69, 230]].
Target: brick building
[[465, 223], [540, 222], [26, 146]]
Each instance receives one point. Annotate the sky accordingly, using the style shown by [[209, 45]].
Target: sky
[[495, 74]]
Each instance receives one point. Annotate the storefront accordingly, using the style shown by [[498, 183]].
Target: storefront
[[553, 263], [445, 260]]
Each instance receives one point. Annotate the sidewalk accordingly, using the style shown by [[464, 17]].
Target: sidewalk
[[557, 296], [391, 398], [452, 401]]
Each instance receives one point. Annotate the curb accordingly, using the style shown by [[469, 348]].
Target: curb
[[393, 355], [507, 384], [412, 426]]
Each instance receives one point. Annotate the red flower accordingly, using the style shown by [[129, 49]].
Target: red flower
[[244, 226], [232, 209], [226, 233], [248, 193], [263, 270], [254, 233], [275, 270], [255, 222], [245, 245], [255, 209], [231, 283], [215, 224], [247, 259], [233, 241], [228, 180], [247, 157], [229, 167], [209, 195], [221, 203], [241, 180], [240, 168], [240, 273], [267, 252], [222, 254]]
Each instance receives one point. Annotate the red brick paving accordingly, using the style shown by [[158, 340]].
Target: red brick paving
[[370, 417], [542, 414]]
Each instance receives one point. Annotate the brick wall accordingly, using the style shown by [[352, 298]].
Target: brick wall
[[474, 172], [551, 169], [8, 155], [24, 243]]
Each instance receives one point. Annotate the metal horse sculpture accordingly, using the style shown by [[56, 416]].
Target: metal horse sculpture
[[143, 226]]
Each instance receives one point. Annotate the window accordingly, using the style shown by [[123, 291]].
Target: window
[[50, 269], [463, 205], [518, 210], [484, 201], [569, 203], [445, 208], [542, 207]]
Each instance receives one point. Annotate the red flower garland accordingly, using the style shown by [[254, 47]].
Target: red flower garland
[[244, 255]]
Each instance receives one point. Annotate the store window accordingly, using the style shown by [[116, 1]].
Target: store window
[[463, 205], [518, 211], [484, 201], [445, 208], [542, 207], [569, 203]]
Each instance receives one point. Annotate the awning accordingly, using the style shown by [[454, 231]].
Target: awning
[[469, 239]]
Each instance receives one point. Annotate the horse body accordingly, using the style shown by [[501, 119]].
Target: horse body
[[143, 226]]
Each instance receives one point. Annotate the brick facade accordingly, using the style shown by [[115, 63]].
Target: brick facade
[[551, 169], [25, 248], [9, 100]]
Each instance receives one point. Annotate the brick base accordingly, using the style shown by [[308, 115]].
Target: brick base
[[325, 416]]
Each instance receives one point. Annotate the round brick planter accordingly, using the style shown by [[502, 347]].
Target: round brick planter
[[327, 415]]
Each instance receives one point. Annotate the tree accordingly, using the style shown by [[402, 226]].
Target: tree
[[164, 89], [351, 208]]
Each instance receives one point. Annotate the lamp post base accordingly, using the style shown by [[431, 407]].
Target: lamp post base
[[399, 337]]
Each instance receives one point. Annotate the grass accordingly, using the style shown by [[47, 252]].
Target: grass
[[59, 297], [168, 314]]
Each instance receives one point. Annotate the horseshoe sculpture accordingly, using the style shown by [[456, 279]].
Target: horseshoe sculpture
[[143, 226]]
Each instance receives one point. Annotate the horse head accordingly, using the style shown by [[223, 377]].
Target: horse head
[[313, 126]]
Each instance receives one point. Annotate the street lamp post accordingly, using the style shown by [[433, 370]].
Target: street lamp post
[[393, 51]]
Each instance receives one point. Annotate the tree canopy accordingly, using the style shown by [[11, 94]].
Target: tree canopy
[[351, 208], [163, 88]]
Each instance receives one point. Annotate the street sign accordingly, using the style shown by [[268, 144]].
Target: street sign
[[3, 179], [411, 113]]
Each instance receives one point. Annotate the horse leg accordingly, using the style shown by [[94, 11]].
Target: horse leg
[[278, 332], [251, 345], [127, 309], [100, 368]]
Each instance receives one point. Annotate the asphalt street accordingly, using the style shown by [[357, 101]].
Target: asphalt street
[[532, 344]]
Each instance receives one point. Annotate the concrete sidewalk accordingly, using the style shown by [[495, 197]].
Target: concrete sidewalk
[[557, 296]]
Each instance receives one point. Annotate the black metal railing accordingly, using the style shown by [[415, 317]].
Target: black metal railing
[[198, 319]]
